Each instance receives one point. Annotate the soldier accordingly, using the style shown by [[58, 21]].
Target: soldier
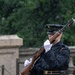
[[55, 59]]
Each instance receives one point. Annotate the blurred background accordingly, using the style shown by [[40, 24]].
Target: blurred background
[[27, 19]]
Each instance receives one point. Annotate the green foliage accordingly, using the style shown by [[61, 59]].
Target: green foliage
[[27, 19]]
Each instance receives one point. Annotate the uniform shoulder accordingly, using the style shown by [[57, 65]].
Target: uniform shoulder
[[65, 46]]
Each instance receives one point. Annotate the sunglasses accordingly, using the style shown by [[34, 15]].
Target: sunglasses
[[50, 33]]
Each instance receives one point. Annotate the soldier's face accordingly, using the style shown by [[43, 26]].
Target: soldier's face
[[50, 36]]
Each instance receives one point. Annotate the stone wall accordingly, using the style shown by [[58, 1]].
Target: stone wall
[[9, 52]]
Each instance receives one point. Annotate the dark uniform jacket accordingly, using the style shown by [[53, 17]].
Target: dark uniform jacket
[[57, 58]]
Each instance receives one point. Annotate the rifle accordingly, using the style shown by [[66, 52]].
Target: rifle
[[26, 70]]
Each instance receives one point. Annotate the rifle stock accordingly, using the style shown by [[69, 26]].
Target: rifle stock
[[26, 70]]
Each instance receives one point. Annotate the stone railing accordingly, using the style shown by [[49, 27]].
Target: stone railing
[[71, 65], [9, 52]]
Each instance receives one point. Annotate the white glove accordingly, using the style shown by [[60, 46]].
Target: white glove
[[47, 45], [27, 62]]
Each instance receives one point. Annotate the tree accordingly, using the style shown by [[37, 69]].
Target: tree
[[27, 19]]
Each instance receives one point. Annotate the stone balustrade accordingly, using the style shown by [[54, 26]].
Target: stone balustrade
[[9, 52], [71, 64]]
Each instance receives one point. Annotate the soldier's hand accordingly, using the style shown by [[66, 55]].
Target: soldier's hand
[[27, 62], [47, 45]]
